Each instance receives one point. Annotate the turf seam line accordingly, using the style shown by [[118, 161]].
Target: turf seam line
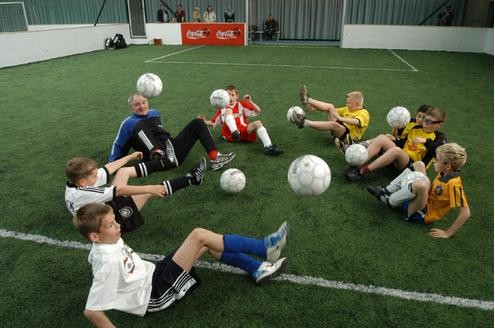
[[172, 54], [300, 280], [403, 60], [288, 66]]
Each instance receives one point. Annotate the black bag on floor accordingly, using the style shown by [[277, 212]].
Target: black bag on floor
[[119, 41]]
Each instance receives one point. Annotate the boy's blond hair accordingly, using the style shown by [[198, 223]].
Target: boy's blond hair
[[357, 97], [88, 218], [79, 168], [453, 154]]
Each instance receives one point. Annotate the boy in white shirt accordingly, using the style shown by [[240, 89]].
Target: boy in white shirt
[[124, 282]]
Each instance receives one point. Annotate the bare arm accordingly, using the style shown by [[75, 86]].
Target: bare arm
[[256, 108], [112, 167], [464, 214], [98, 318], [203, 117]]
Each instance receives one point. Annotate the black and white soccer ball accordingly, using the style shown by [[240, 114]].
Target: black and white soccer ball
[[356, 154], [309, 175], [398, 117], [295, 111], [149, 85], [232, 181], [219, 98]]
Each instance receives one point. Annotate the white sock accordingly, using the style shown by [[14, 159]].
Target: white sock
[[306, 123], [263, 135], [395, 185], [230, 121], [400, 196]]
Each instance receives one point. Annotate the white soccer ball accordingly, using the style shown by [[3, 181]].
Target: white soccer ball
[[398, 117], [411, 177], [219, 98], [149, 85], [299, 111], [309, 175], [232, 181], [356, 154]]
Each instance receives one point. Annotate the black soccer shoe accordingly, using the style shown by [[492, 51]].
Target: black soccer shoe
[[273, 150]]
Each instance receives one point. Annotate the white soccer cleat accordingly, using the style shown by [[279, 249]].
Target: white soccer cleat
[[268, 270], [221, 160], [275, 242]]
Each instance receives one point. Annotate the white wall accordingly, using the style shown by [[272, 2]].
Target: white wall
[[27, 47], [452, 38], [169, 32]]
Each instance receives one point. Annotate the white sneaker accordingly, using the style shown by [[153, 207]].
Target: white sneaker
[[171, 153], [268, 270], [275, 242], [221, 160]]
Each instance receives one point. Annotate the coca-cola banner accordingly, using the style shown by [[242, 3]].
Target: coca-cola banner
[[232, 34]]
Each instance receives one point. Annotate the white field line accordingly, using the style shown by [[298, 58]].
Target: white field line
[[172, 54], [300, 280], [284, 66], [403, 60]]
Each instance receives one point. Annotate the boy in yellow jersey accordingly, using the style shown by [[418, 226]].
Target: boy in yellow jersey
[[424, 202], [402, 133], [418, 145], [347, 124]]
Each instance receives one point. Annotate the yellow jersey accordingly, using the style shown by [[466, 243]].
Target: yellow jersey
[[446, 192], [362, 115], [423, 152]]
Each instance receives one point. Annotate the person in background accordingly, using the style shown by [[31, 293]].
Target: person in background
[[162, 15], [180, 14], [271, 27], [445, 17], [209, 16], [196, 16], [229, 14]]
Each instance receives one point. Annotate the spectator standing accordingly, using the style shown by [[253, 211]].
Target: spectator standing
[[162, 15], [209, 16], [229, 14]]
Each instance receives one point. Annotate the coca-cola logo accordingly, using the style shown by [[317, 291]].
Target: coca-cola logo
[[229, 34], [198, 34]]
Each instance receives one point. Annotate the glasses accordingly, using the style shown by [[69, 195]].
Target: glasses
[[430, 121]]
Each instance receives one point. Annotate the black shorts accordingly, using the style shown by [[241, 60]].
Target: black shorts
[[126, 213], [170, 283]]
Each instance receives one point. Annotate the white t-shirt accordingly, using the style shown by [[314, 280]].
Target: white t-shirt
[[121, 279], [75, 196]]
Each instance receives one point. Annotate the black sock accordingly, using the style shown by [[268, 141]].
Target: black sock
[[176, 184], [144, 169]]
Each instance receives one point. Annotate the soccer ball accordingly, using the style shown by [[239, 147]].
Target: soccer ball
[[219, 98], [411, 177], [149, 85], [356, 154], [299, 111], [309, 175], [232, 181], [398, 117]]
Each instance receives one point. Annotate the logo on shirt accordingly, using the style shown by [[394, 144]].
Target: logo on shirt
[[128, 261], [438, 190], [126, 212]]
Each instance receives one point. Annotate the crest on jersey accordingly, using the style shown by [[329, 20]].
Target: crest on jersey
[[438, 190], [126, 212]]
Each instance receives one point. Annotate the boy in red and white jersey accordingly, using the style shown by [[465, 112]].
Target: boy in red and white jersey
[[235, 122]]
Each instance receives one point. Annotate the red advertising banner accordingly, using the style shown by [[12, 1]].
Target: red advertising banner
[[223, 34]]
